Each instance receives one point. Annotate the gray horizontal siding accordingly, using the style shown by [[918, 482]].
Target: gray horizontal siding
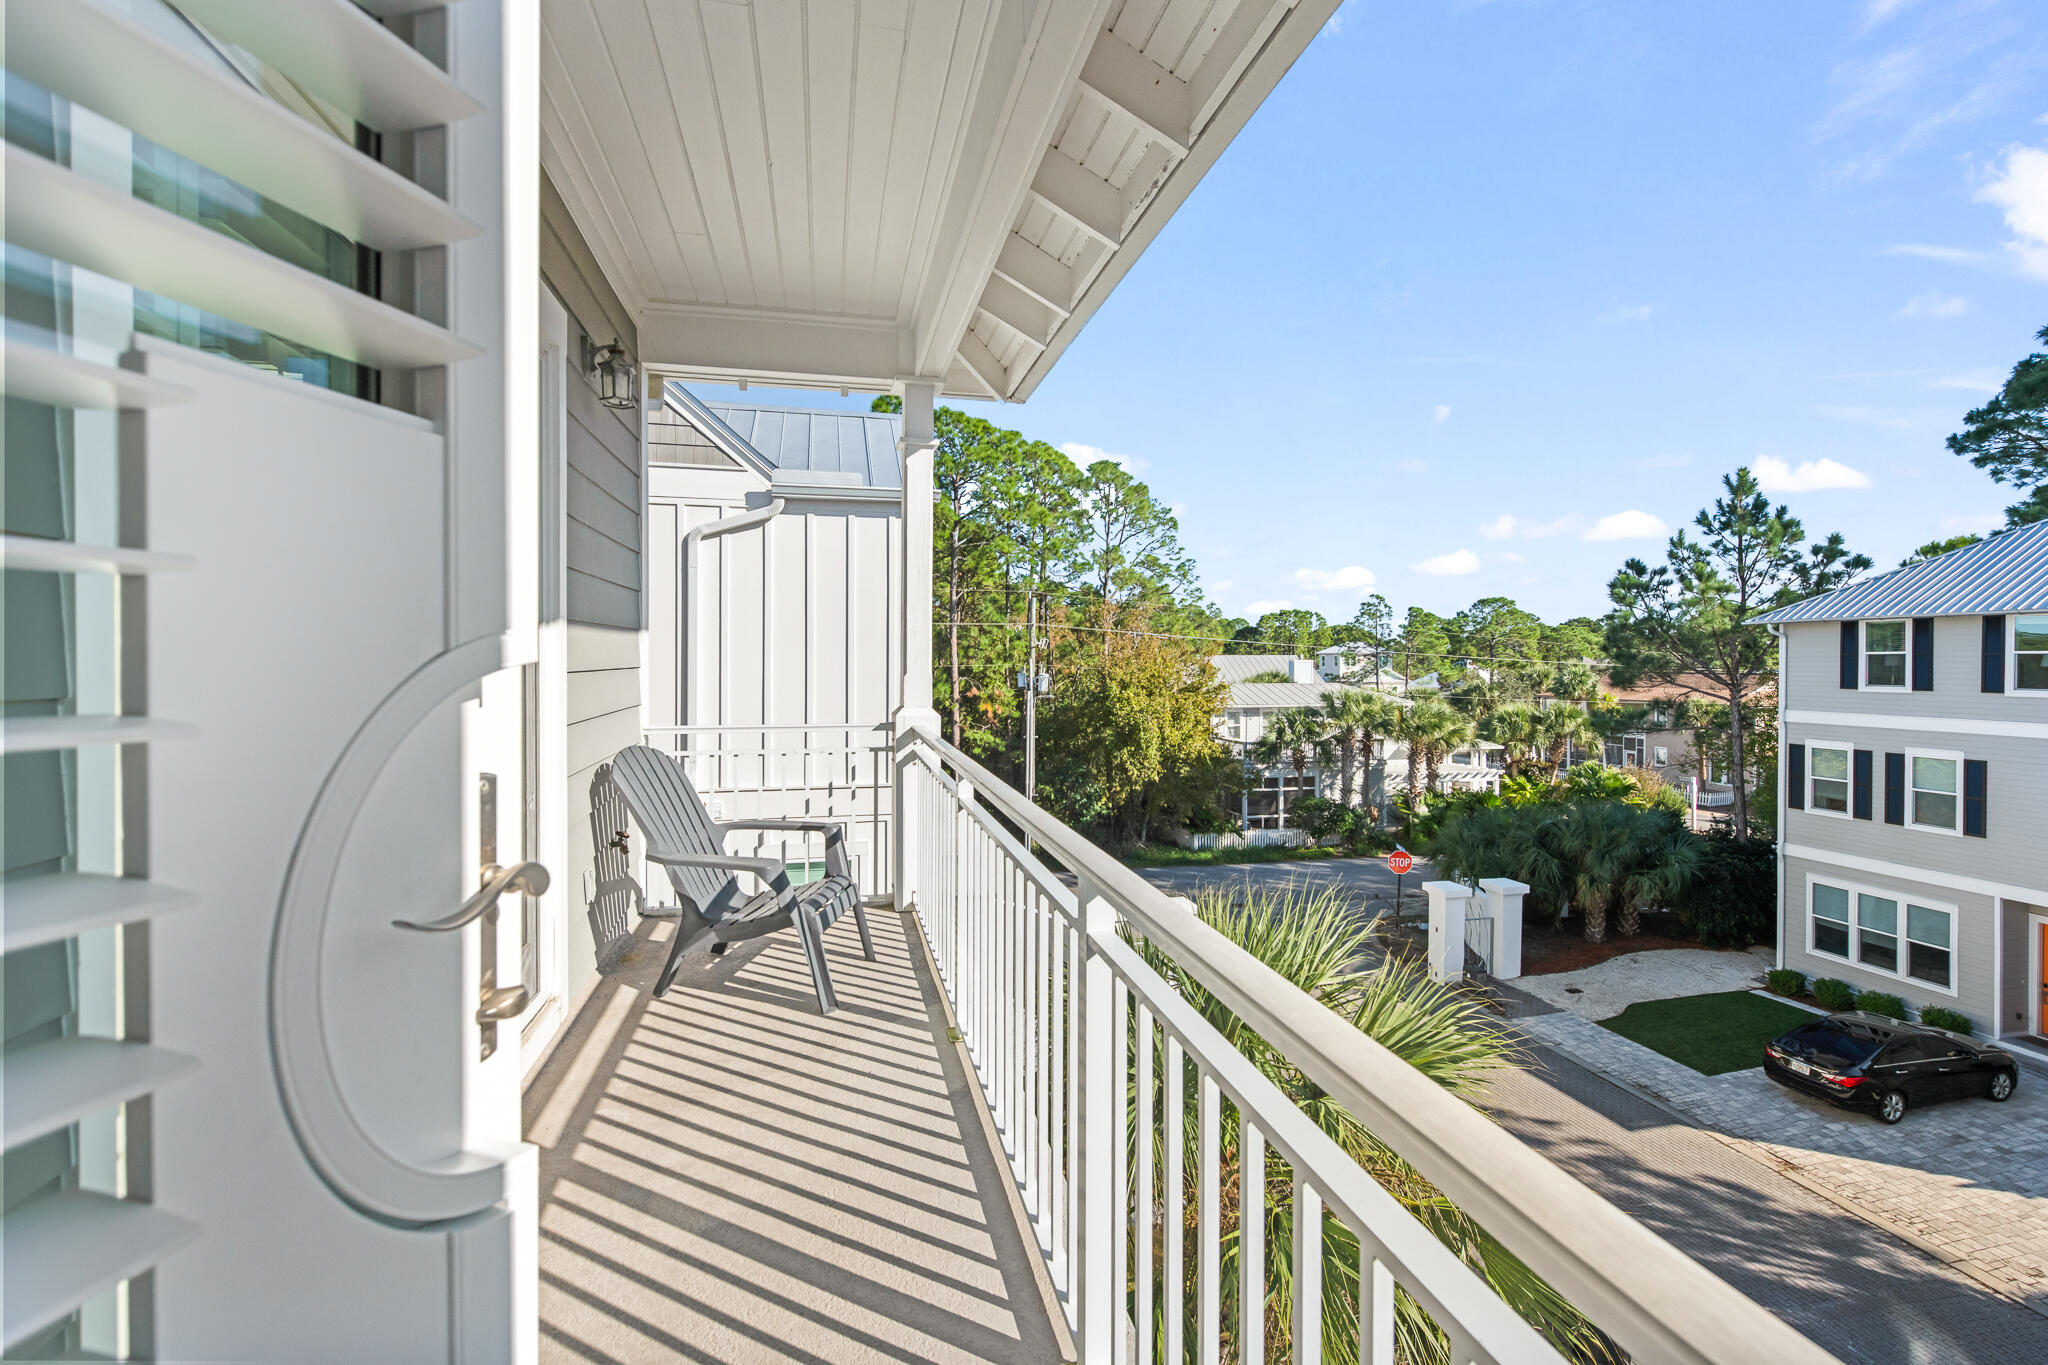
[[605, 502], [604, 717], [1811, 677]]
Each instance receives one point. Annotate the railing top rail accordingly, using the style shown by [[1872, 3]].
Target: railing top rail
[[1659, 1303], [808, 727]]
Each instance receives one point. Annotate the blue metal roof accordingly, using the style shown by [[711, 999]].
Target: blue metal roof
[[2002, 574], [819, 441]]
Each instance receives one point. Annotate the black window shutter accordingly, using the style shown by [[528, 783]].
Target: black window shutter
[[1895, 789], [1851, 665], [1994, 654], [1923, 654], [1860, 798], [1795, 776], [1974, 783]]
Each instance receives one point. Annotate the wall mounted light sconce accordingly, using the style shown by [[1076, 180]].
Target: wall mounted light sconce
[[612, 372]]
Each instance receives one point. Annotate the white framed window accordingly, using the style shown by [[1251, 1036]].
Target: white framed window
[[2029, 652], [1233, 724], [1934, 790], [1884, 655], [1661, 756], [1827, 778], [1881, 931]]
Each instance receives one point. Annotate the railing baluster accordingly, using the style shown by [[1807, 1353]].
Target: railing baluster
[[1143, 1203], [1072, 1033], [1120, 1181], [1308, 1272], [1099, 1297], [1208, 1326], [1375, 1308], [1174, 1092], [1251, 1242]]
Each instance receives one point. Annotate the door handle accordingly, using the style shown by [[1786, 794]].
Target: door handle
[[530, 878]]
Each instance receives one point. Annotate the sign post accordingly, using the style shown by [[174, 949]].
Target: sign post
[[1398, 863]]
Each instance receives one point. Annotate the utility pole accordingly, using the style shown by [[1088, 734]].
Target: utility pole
[[1031, 702]]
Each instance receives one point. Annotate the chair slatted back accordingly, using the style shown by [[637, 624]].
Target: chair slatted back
[[672, 816]]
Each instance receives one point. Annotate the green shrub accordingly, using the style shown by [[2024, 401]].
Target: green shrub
[[1878, 1002], [1934, 1016], [1785, 981], [1324, 820], [1833, 995], [1732, 899]]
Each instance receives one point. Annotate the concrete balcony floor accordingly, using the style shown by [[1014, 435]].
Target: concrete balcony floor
[[728, 1176]]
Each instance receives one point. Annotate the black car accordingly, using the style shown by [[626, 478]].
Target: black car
[[1866, 1061]]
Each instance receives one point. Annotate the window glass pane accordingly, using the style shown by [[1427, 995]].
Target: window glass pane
[[2031, 672], [2030, 632], [1832, 938], [1830, 795], [1927, 926], [1886, 670], [1830, 902], [1830, 762], [1875, 912], [1934, 774], [1882, 636], [1928, 964], [1878, 950], [1930, 808]]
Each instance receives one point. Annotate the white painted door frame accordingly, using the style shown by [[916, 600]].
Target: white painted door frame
[[2035, 924]]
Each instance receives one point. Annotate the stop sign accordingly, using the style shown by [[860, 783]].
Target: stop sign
[[1399, 861]]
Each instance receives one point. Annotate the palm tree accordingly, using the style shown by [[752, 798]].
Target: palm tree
[[1355, 719], [1516, 727], [1559, 727], [1294, 738], [1316, 940], [1574, 681], [1668, 855], [1434, 730]]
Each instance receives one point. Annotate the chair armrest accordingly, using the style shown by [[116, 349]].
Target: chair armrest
[[769, 870], [834, 831]]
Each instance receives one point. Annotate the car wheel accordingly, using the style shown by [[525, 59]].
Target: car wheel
[[2002, 1086], [1891, 1106]]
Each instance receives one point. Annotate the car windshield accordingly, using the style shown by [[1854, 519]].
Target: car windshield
[[1831, 1045]]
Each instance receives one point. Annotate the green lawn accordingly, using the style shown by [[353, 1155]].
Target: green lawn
[[1709, 1033]]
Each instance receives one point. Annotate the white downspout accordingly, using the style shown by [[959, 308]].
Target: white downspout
[[1778, 633], [692, 540]]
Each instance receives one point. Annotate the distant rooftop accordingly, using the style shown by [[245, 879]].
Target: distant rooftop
[[2001, 574], [809, 444]]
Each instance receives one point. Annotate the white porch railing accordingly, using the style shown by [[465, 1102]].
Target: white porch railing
[[837, 772], [1045, 993]]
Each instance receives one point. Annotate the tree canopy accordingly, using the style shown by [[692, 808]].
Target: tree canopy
[[2007, 438]]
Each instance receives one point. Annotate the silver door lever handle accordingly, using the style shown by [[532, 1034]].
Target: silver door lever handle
[[530, 878]]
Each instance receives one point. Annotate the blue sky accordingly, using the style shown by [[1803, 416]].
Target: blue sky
[[1488, 296]]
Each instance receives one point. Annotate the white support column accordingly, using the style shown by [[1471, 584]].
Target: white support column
[[1097, 1298], [1503, 897], [914, 626], [1447, 906]]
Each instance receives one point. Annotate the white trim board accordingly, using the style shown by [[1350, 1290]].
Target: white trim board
[[1880, 868], [1942, 725]]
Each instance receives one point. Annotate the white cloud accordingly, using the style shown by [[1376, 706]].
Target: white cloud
[[1982, 381], [1947, 255], [1774, 475], [1637, 313], [1085, 455], [1440, 413], [1869, 417], [1630, 525], [1220, 586], [1665, 461], [1507, 525], [1982, 523], [1456, 562], [1258, 609], [1877, 11], [1934, 304], [2022, 191], [1347, 579]]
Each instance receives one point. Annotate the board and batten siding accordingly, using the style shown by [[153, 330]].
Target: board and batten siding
[[604, 540]]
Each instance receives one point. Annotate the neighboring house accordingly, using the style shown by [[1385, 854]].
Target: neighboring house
[[1658, 746], [1915, 783], [1344, 663]]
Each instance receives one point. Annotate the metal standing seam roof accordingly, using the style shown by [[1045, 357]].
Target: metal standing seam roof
[[820, 441], [1235, 668], [1282, 696], [2002, 574]]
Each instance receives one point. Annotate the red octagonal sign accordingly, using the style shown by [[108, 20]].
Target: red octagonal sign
[[1399, 861]]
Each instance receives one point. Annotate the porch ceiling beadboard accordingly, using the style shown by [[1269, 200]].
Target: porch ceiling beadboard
[[825, 191]]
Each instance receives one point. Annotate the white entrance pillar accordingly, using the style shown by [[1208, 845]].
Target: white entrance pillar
[[1502, 897], [914, 626], [1447, 906]]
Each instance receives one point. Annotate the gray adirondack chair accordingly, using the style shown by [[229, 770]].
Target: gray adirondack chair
[[683, 838]]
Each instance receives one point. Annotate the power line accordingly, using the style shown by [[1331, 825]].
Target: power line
[[1391, 651]]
